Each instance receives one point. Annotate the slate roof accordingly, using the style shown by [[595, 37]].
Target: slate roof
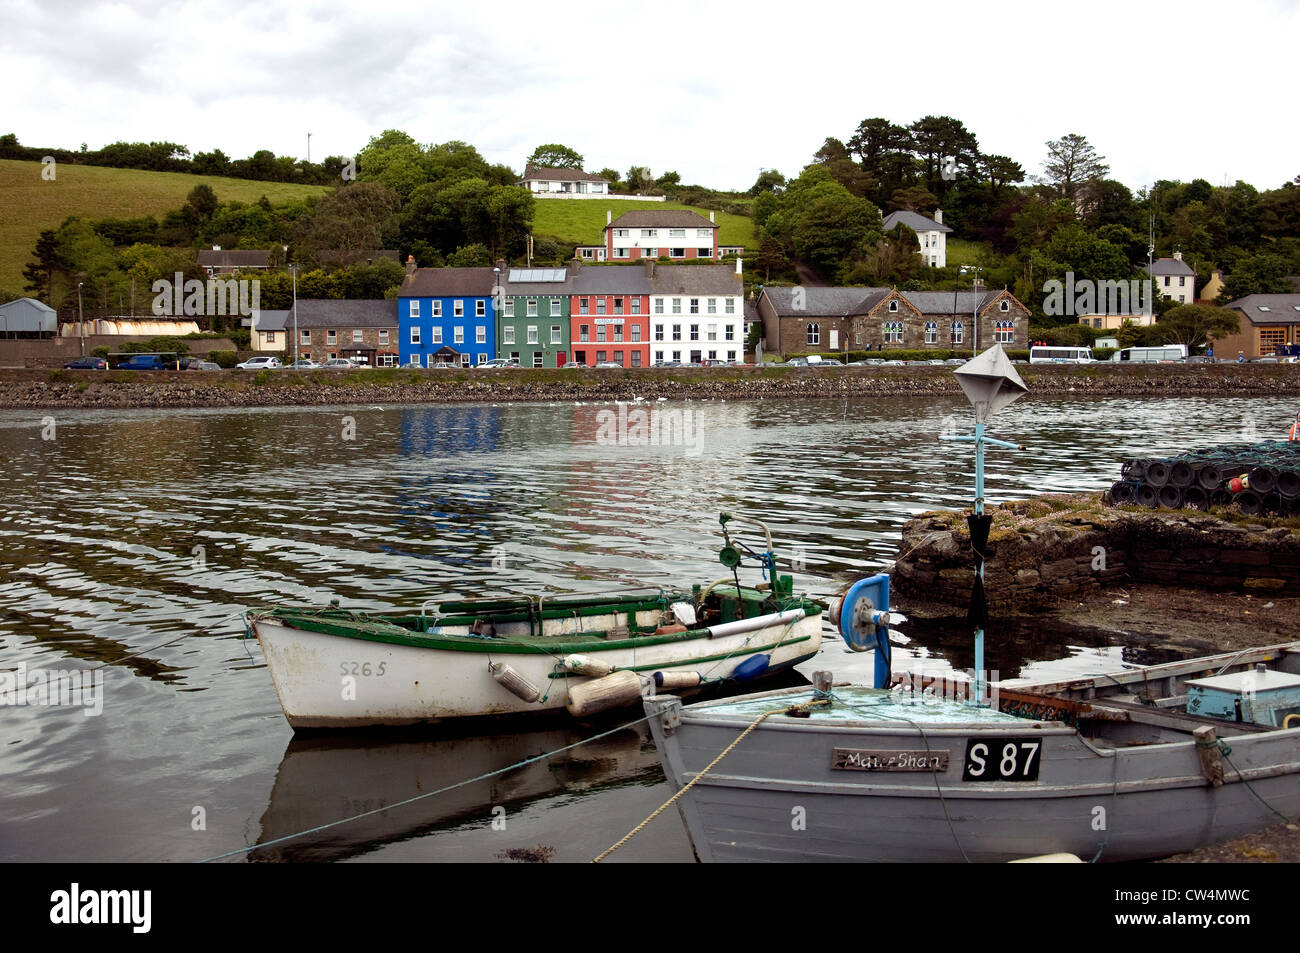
[[548, 174], [234, 258], [448, 283], [696, 280], [611, 279], [917, 223], [823, 301], [661, 218], [1269, 309], [942, 302], [272, 320], [336, 313], [1170, 266]]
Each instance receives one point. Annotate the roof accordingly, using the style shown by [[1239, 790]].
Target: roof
[[917, 223], [824, 301], [274, 320], [236, 258], [611, 279], [551, 174], [341, 313], [945, 302], [561, 285], [1170, 266], [1269, 309], [449, 282], [661, 218], [696, 280], [30, 302]]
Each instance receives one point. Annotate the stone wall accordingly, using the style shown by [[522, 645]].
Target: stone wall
[[55, 352]]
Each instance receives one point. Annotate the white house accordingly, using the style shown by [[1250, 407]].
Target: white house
[[547, 183], [668, 233], [697, 314], [932, 234], [1175, 279]]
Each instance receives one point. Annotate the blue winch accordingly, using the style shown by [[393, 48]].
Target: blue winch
[[862, 616]]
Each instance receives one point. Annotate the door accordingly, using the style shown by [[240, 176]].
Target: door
[[835, 339], [560, 357]]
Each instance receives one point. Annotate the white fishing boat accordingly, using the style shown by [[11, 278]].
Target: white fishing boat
[[334, 667]]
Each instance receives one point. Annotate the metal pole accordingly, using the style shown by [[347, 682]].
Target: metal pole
[[81, 321], [979, 511], [293, 270]]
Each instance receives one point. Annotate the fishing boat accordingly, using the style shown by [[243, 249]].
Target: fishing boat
[[1152, 761], [463, 658]]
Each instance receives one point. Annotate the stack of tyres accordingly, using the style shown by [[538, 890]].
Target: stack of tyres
[[1259, 478]]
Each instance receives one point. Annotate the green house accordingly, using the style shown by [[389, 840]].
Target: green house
[[533, 317]]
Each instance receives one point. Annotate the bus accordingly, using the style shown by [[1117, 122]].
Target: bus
[[1149, 355], [1060, 355]]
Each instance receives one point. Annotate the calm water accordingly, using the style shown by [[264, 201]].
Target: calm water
[[121, 531]]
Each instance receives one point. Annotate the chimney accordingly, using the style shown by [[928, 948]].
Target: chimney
[[710, 216], [609, 218], [649, 267], [576, 264], [739, 262], [410, 265], [1178, 256], [938, 216], [216, 248], [501, 265]]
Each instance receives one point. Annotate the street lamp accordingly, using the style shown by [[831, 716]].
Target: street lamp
[[293, 270], [81, 320]]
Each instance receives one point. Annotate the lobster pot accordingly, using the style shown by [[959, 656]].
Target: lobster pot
[[511, 680], [586, 665], [602, 694], [676, 681]]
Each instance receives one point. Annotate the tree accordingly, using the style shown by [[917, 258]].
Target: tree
[[611, 174], [46, 260], [769, 180], [1193, 325], [639, 178], [1072, 161], [553, 155], [356, 218], [913, 199], [201, 203]]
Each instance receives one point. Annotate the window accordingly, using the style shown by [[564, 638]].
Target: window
[[659, 357], [508, 334], [583, 333], [636, 333], [618, 332], [618, 357], [415, 309], [304, 337], [458, 309], [730, 306], [676, 233], [555, 307], [1004, 332], [712, 331], [1182, 280], [729, 332], [537, 358], [600, 332], [636, 305], [1166, 281], [532, 307], [659, 332], [331, 337], [415, 335], [387, 360], [659, 305], [713, 306], [600, 305], [459, 337], [620, 252], [1004, 306], [677, 252], [649, 233], [704, 233], [464, 360], [650, 253], [713, 355], [636, 358], [482, 358], [1270, 339], [677, 355], [857, 337], [415, 360], [618, 305], [437, 309], [731, 356], [437, 335], [704, 252], [893, 307], [480, 308], [357, 336], [600, 356], [584, 306], [532, 334], [931, 332], [893, 331], [695, 306], [957, 332], [677, 306], [480, 334], [677, 332], [383, 337], [814, 332], [555, 334], [620, 233]]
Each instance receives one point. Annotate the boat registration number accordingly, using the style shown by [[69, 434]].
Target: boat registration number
[[1002, 759]]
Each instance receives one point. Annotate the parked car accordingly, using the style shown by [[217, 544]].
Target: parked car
[[146, 362], [260, 363], [87, 364], [337, 364], [443, 366], [304, 364], [498, 362], [208, 366], [603, 365], [666, 364]]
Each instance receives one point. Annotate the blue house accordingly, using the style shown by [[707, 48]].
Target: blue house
[[446, 314]]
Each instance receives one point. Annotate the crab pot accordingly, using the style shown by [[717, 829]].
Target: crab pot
[[601, 694], [1148, 495], [1170, 497], [1263, 479], [1288, 484], [1182, 474], [1250, 502], [1158, 473], [1210, 476], [1195, 498], [1122, 492]]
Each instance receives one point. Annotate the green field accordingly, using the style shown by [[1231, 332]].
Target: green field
[[29, 203], [582, 221]]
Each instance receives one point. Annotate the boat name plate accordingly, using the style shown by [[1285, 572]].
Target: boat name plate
[[857, 759]]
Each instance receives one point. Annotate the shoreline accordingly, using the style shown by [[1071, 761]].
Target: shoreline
[[22, 388]]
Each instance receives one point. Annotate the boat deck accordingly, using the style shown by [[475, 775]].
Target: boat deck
[[857, 702]]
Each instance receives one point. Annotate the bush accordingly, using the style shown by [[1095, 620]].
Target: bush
[[225, 359], [101, 351]]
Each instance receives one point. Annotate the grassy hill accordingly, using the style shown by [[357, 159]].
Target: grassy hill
[[29, 203], [582, 221]]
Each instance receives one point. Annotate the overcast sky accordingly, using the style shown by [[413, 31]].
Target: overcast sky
[[716, 91]]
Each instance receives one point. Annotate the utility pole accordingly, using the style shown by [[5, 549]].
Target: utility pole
[[309, 148], [293, 270], [81, 320]]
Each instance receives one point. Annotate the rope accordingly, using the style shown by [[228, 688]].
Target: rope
[[421, 797], [690, 784], [1226, 750]]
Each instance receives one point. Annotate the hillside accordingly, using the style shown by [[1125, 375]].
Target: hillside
[[29, 203], [582, 221]]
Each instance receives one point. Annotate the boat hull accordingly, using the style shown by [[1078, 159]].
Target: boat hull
[[777, 796], [331, 681]]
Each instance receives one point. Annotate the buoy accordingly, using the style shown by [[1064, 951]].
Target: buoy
[[602, 694], [1237, 484], [751, 668], [676, 681], [514, 682], [586, 665]]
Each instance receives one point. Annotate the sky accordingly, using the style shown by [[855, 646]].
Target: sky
[[715, 91]]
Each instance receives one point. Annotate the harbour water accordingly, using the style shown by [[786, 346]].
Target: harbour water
[[132, 541]]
